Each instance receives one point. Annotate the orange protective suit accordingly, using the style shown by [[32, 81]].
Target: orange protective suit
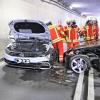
[[57, 41], [60, 30], [72, 33], [89, 32], [96, 30]]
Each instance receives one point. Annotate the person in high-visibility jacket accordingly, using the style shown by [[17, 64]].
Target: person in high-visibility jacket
[[83, 31], [72, 33], [66, 29], [60, 29], [56, 41], [89, 30], [95, 29]]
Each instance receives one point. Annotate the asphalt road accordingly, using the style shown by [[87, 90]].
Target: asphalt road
[[25, 84], [56, 84]]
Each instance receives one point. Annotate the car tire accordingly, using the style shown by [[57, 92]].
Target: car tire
[[79, 63]]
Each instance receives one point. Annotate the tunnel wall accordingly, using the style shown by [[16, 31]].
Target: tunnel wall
[[32, 9]]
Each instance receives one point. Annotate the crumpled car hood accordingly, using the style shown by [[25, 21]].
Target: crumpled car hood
[[28, 29]]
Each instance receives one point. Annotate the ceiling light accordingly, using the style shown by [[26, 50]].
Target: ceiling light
[[86, 13], [77, 5], [70, 7]]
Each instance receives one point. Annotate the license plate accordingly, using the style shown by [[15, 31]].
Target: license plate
[[19, 60]]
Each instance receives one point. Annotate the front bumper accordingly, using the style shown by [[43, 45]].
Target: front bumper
[[28, 62]]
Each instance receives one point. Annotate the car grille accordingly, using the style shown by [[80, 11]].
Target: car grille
[[25, 54], [34, 46], [27, 49]]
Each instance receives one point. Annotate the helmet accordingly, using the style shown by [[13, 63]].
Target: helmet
[[95, 21], [49, 23], [68, 22], [88, 22], [73, 22]]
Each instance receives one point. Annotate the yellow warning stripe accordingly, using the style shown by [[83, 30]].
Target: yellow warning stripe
[[56, 40]]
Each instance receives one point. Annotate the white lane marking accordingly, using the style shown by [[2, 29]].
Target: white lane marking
[[2, 64], [1, 58], [78, 91], [91, 85]]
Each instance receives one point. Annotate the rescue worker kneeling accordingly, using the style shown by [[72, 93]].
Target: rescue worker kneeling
[[56, 41]]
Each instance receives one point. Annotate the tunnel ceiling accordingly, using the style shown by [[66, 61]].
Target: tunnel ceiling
[[82, 7], [85, 7]]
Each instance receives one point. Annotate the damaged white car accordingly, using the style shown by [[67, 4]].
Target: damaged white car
[[31, 45]]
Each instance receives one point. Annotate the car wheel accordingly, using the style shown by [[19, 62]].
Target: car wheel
[[79, 63]]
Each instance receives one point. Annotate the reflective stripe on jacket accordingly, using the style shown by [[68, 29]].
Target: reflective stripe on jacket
[[55, 36]]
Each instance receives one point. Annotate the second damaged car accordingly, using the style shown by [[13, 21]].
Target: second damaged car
[[30, 45]]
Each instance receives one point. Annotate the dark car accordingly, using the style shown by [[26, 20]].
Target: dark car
[[81, 58]]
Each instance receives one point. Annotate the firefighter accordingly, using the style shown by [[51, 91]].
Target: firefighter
[[95, 29], [60, 29], [83, 31], [75, 31], [89, 30], [56, 40], [66, 30], [72, 33]]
